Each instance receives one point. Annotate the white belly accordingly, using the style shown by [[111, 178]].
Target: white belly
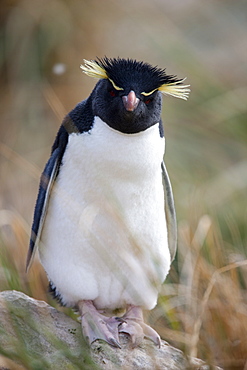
[[105, 236]]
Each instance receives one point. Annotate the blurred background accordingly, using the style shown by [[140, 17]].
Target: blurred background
[[203, 306]]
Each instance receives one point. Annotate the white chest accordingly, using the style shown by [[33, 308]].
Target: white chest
[[106, 217]]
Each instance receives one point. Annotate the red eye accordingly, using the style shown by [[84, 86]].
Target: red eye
[[148, 101], [112, 93]]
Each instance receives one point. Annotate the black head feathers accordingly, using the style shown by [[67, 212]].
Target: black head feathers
[[123, 73]]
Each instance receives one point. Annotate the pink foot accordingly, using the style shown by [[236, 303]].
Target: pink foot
[[133, 324], [97, 326]]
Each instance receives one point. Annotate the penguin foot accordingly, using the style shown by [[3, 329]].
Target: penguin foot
[[97, 326], [132, 324]]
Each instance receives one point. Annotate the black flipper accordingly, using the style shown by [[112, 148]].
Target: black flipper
[[79, 120], [170, 213], [46, 183]]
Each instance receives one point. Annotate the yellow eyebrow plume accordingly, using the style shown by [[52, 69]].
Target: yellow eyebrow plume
[[175, 89], [148, 93], [114, 85], [93, 69]]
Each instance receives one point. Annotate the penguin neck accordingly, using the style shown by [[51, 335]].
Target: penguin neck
[[145, 147], [112, 153]]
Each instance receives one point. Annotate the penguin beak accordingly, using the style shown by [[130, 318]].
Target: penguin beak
[[130, 101]]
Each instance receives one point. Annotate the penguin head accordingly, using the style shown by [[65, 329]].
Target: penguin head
[[126, 110], [128, 96]]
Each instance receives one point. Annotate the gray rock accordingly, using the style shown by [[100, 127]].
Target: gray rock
[[34, 335]]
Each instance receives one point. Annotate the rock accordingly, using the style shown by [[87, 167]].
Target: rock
[[38, 336], [34, 335]]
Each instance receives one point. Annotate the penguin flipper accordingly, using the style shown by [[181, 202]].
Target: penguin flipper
[[170, 213], [79, 120], [46, 183], [47, 180]]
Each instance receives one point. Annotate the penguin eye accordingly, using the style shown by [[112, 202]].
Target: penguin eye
[[148, 101], [112, 93]]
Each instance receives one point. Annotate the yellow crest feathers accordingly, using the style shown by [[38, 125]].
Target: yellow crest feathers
[[114, 85], [176, 89], [93, 69], [112, 69], [148, 93]]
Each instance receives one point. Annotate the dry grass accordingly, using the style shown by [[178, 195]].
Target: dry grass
[[203, 306], [208, 306]]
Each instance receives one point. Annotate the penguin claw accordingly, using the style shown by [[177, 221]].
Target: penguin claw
[[100, 328], [134, 330], [97, 326], [151, 334], [113, 342], [132, 324]]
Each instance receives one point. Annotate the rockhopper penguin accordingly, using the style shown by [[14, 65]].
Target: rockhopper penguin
[[104, 219]]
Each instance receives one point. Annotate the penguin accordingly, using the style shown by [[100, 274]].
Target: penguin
[[104, 219]]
